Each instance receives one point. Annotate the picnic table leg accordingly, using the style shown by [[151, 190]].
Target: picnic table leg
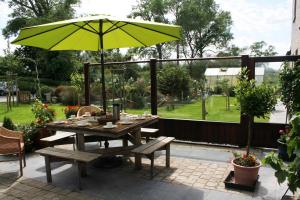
[[79, 166], [81, 147], [138, 140], [48, 169], [152, 165], [168, 155]]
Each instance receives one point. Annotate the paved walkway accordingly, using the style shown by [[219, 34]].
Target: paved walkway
[[279, 114], [199, 175]]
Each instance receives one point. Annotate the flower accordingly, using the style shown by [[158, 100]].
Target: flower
[[244, 160]]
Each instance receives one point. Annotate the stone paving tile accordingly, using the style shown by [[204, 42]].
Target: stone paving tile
[[15, 188], [195, 173]]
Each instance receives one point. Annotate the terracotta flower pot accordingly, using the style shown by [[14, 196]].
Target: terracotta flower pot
[[245, 175]]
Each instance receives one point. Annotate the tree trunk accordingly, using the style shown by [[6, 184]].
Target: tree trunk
[[177, 52], [250, 123]]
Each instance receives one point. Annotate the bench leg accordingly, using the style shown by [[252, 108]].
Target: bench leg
[[48, 169], [168, 155], [152, 165], [147, 139], [79, 166], [81, 147]]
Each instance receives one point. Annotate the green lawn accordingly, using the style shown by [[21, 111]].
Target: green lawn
[[215, 106], [22, 114]]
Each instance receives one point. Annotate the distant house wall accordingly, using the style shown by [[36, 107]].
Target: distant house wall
[[295, 43]]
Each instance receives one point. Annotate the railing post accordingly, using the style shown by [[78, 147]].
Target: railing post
[[86, 69], [153, 73]]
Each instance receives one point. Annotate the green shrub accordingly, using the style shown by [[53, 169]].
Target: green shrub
[[8, 123], [30, 132], [218, 89], [27, 86]]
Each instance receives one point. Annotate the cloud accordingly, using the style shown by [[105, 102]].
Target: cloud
[[258, 20]]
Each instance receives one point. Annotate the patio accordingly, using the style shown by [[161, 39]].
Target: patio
[[197, 172]]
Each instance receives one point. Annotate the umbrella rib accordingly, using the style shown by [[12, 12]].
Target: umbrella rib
[[79, 27], [82, 27], [114, 29], [40, 33], [113, 25], [128, 33], [153, 30]]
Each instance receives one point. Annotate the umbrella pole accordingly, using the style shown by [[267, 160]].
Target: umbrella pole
[[103, 82], [102, 65]]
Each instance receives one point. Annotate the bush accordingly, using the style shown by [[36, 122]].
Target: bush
[[8, 123], [174, 81], [27, 86], [67, 95], [30, 133], [46, 89], [138, 102], [231, 91], [218, 89]]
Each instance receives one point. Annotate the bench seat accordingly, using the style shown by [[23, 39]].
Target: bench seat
[[148, 150], [149, 132], [78, 156]]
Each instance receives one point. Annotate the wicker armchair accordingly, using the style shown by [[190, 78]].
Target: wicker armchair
[[89, 109], [91, 137], [12, 142]]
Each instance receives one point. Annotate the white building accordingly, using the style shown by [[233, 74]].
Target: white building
[[213, 75], [295, 43]]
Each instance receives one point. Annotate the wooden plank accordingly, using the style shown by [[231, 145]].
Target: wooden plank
[[57, 137], [149, 130], [157, 146], [147, 145], [68, 154]]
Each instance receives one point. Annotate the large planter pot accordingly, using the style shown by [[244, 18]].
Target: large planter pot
[[282, 151], [245, 175]]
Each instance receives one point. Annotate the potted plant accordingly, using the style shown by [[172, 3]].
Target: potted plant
[[255, 101], [71, 110], [43, 115], [288, 171]]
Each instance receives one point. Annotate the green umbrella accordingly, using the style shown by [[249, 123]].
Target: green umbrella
[[97, 33]]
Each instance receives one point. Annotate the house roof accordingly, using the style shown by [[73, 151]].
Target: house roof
[[233, 71]]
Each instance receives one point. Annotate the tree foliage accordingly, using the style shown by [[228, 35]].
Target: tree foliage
[[53, 65], [174, 81], [212, 27], [261, 48]]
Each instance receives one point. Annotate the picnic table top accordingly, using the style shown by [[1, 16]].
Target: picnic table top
[[96, 129]]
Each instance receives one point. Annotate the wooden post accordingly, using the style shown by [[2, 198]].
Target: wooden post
[[153, 73], [48, 169], [86, 83]]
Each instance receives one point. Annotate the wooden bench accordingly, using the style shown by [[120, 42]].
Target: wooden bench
[[148, 149], [60, 138], [79, 157], [149, 132]]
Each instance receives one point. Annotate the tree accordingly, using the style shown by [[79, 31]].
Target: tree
[[262, 49], [174, 81], [151, 10], [54, 65], [211, 29], [231, 50]]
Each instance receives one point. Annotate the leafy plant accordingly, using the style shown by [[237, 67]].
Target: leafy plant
[[30, 132], [290, 87], [244, 160], [255, 101], [8, 123], [290, 171], [71, 110], [42, 113]]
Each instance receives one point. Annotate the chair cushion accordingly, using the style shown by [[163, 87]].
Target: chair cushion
[[10, 147]]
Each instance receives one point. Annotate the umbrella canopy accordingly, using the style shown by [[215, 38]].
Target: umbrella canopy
[[97, 33]]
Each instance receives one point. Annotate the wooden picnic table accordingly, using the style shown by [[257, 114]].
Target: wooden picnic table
[[131, 132]]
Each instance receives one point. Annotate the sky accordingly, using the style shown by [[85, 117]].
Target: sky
[[255, 20]]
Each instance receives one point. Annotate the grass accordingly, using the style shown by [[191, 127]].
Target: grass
[[215, 106], [22, 114]]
